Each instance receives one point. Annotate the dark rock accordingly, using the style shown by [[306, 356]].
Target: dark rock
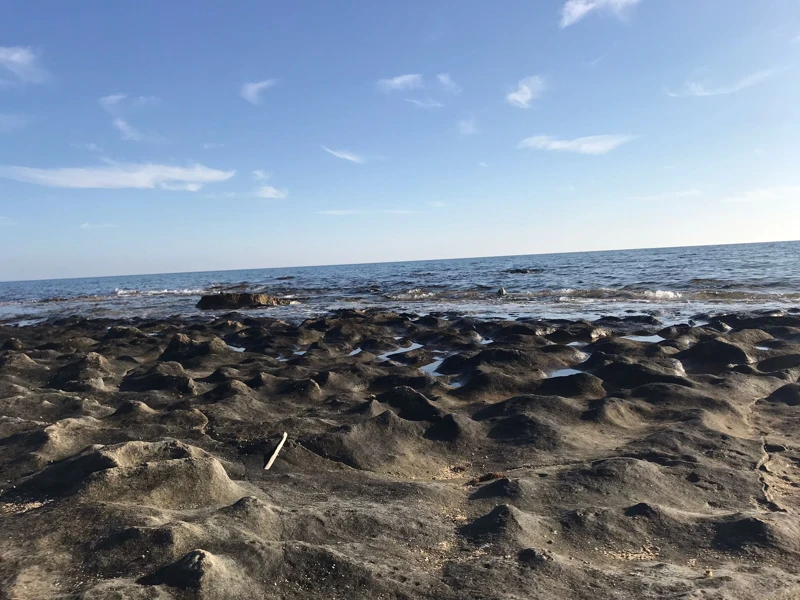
[[235, 300], [715, 351], [411, 404]]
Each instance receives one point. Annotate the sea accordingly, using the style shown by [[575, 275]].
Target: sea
[[673, 284]]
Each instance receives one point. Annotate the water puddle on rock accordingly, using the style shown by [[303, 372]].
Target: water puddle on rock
[[650, 339], [563, 373], [432, 367], [236, 348], [386, 355], [354, 352]]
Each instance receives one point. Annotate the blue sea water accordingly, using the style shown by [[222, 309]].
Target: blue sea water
[[672, 283]]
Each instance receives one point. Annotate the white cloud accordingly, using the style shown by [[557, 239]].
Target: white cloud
[[467, 126], [665, 196], [128, 131], [575, 10], [12, 122], [182, 187], [345, 155], [341, 213], [427, 103], [119, 176], [23, 63], [115, 103], [448, 84], [438, 204], [697, 89], [97, 226], [109, 103], [528, 89], [5, 221], [269, 192], [767, 194], [212, 145], [261, 175], [482, 164], [593, 144], [91, 147], [252, 91], [401, 82]]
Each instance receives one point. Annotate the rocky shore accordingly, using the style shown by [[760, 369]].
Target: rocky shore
[[438, 457]]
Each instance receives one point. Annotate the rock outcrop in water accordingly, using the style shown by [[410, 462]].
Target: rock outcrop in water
[[435, 457], [236, 300]]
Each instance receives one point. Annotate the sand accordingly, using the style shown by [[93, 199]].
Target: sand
[[490, 459]]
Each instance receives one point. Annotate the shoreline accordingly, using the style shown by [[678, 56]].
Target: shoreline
[[427, 457]]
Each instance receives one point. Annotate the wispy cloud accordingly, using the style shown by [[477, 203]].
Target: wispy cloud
[[401, 82], [427, 103], [261, 175], [271, 193], [467, 126], [118, 105], [482, 164], [767, 194], [128, 131], [110, 102], [252, 91], [348, 212], [666, 196], [448, 84], [12, 122], [5, 221], [98, 226], [115, 103], [212, 145], [91, 147], [119, 176], [528, 90], [23, 63], [593, 144], [697, 89], [345, 155], [575, 10], [438, 204]]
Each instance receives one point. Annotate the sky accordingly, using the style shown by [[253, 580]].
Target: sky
[[146, 137]]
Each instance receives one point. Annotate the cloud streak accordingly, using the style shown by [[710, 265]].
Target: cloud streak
[[699, 90], [98, 226], [427, 103], [128, 131], [23, 63], [593, 144], [345, 155], [271, 193], [467, 126], [575, 10], [251, 91], [448, 84], [528, 90], [401, 82], [119, 176], [768, 194]]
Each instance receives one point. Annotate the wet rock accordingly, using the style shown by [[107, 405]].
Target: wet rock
[[236, 300]]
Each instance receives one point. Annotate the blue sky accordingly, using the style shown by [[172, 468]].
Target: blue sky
[[140, 137]]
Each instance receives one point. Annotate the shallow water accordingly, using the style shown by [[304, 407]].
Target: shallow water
[[672, 283]]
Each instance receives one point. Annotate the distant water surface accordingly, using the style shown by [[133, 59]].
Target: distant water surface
[[672, 283]]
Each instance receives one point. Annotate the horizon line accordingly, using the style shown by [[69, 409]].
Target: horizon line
[[388, 262]]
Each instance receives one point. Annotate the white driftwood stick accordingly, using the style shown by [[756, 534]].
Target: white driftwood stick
[[277, 450]]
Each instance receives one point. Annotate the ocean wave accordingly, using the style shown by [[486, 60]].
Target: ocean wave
[[412, 294], [122, 293]]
